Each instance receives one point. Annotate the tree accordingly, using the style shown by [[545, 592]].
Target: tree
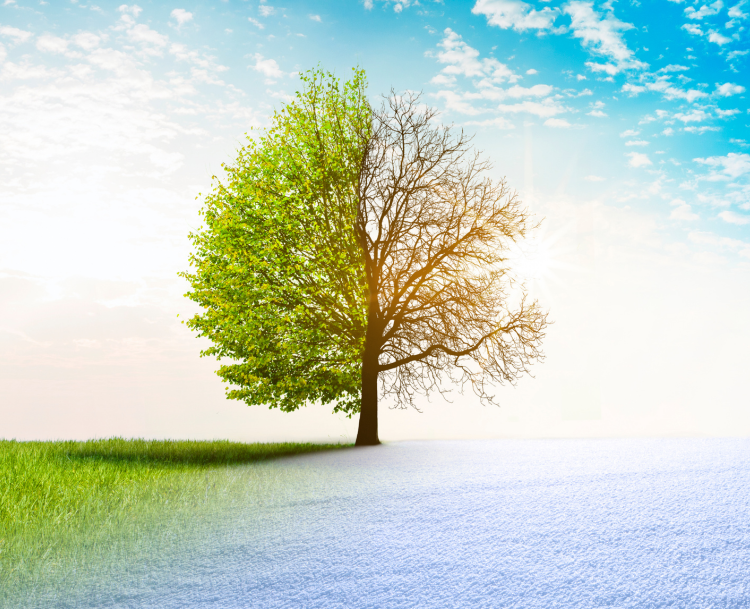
[[435, 232], [354, 253]]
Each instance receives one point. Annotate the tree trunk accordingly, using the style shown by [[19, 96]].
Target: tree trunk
[[367, 434]]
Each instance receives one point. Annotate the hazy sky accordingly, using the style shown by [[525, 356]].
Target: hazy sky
[[624, 125]]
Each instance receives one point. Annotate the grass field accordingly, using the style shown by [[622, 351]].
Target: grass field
[[61, 500]]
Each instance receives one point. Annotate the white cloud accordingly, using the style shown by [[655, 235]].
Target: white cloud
[[559, 123], [266, 10], [315, 18], [694, 116], [531, 72], [18, 36], [52, 44], [637, 143], [134, 10], [699, 130], [535, 91], [673, 68], [728, 89], [268, 67], [727, 167], [717, 38], [181, 16], [86, 40], [668, 131], [735, 12], [733, 218], [256, 23], [692, 29], [629, 133], [632, 89], [461, 59], [727, 243], [458, 102], [638, 159], [144, 35], [663, 86], [597, 113], [725, 113], [603, 35], [682, 211], [443, 80], [546, 108], [705, 11], [515, 14]]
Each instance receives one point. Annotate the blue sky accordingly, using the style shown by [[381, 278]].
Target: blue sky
[[624, 125]]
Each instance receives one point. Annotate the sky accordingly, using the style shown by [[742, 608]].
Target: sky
[[623, 126]]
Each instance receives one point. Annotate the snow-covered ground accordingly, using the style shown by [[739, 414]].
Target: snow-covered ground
[[509, 523]]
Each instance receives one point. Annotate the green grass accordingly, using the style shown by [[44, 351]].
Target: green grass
[[65, 501]]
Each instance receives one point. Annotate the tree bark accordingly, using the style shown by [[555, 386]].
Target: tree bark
[[367, 434]]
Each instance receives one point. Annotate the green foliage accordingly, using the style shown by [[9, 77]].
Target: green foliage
[[278, 270]]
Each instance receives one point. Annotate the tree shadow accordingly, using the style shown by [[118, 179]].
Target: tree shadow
[[166, 453]]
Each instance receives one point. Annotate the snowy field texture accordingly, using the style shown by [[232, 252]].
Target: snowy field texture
[[508, 523]]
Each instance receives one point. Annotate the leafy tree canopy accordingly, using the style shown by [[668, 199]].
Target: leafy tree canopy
[[277, 268]]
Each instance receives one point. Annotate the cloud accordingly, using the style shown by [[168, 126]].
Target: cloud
[[682, 211], [86, 40], [315, 18], [52, 44], [266, 10], [133, 10], [663, 86], [717, 38], [694, 116], [268, 67], [629, 133], [181, 16], [728, 167], [603, 35], [461, 59], [726, 243], [546, 108], [638, 159], [728, 89], [673, 68], [16, 35], [735, 12], [559, 123], [705, 11], [699, 130], [692, 29], [458, 102], [531, 72], [733, 218], [515, 14], [637, 143], [144, 35], [597, 113], [256, 23]]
